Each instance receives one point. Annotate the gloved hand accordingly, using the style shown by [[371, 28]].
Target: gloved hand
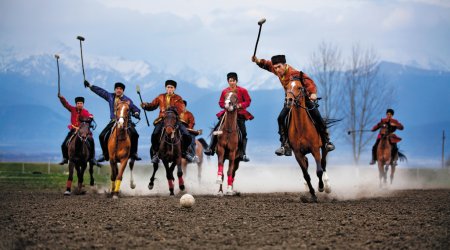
[[59, 95], [143, 105], [313, 97], [87, 84], [255, 59], [136, 115]]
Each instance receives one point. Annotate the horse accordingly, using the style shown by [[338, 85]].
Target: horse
[[384, 155], [119, 145], [228, 143], [200, 145], [79, 156], [304, 138], [170, 152]]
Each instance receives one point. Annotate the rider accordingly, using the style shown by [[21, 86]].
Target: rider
[[244, 101], [286, 73], [113, 99], [187, 118], [75, 114], [392, 125], [165, 101]]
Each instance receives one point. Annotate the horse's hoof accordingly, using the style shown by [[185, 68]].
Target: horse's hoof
[[182, 187], [219, 179], [150, 186], [327, 189], [132, 186], [115, 197], [314, 199], [67, 193], [92, 183], [220, 194], [304, 199]]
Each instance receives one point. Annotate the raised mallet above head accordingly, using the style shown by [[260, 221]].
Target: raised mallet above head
[[56, 56], [260, 23]]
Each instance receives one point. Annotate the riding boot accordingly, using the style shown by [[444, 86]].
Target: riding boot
[[329, 146], [244, 149], [394, 153], [212, 146], [284, 149], [374, 153], [92, 159], [64, 148], [134, 137]]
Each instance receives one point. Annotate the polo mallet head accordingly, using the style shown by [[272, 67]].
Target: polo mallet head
[[261, 22], [82, 38], [349, 132], [81, 51], [138, 89], [56, 56]]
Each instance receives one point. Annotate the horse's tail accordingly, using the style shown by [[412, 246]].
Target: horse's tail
[[402, 157], [330, 122], [203, 142]]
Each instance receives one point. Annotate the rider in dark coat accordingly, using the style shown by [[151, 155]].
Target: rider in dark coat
[[392, 125], [286, 74], [113, 99]]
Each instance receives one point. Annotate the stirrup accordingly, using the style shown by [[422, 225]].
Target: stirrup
[[372, 162], [280, 151], [329, 146], [245, 158], [155, 159], [209, 152]]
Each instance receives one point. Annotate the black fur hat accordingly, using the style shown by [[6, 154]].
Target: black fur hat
[[119, 85], [185, 103], [232, 75], [79, 99], [171, 82], [390, 111], [278, 59]]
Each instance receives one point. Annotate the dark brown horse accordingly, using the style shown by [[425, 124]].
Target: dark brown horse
[[170, 152], [228, 142], [200, 145], [119, 146], [384, 155], [304, 138], [79, 156]]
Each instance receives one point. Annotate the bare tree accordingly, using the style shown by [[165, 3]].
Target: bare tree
[[366, 96], [326, 68]]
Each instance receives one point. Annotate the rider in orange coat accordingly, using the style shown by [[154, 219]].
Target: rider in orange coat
[[164, 102], [188, 119], [286, 74], [393, 125]]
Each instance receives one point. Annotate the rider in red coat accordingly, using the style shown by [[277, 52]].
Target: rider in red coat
[[393, 125], [244, 101], [76, 112]]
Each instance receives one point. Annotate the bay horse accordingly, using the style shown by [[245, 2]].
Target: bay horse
[[304, 138], [200, 145], [228, 143], [79, 155], [384, 155], [170, 151], [119, 145]]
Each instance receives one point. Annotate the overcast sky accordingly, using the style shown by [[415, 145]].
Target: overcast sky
[[220, 35]]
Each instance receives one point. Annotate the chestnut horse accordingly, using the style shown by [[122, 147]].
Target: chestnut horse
[[79, 156], [119, 145], [384, 156], [200, 145], [170, 151], [228, 142], [304, 138]]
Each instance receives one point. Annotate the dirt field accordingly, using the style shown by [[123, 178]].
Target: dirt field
[[410, 219]]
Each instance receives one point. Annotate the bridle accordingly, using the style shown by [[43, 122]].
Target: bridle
[[170, 121]]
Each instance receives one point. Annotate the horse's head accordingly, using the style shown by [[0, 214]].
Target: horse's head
[[170, 121], [294, 93], [84, 129], [121, 112], [231, 101]]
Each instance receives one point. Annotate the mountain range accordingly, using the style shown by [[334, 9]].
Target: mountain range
[[33, 123]]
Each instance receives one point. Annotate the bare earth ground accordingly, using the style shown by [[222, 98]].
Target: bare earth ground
[[404, 219]]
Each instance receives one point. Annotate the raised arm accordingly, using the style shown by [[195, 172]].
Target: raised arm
[[65, 103]]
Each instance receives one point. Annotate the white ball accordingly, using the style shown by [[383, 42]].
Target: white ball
[[187, 200]]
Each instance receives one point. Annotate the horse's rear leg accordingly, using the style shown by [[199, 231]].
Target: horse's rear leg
[[151, 184], [199, 172], [131, 164], [319, 169], [392, 173]]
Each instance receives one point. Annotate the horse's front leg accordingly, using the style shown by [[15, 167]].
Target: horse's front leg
[[80, 174], [380, 172], [303, 162], [91, 174], [319, 170], [70, 178], [220, 161], [169, 176], [123, 165], [151, 184], [230, 172], [180, 175], [114, 172]]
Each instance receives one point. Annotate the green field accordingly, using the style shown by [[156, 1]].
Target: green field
[[43, 176]]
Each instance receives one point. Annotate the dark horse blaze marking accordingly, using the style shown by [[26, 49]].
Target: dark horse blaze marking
[[227, 143], [119, 146], [79, 156], [170, 152], [304, 138]]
